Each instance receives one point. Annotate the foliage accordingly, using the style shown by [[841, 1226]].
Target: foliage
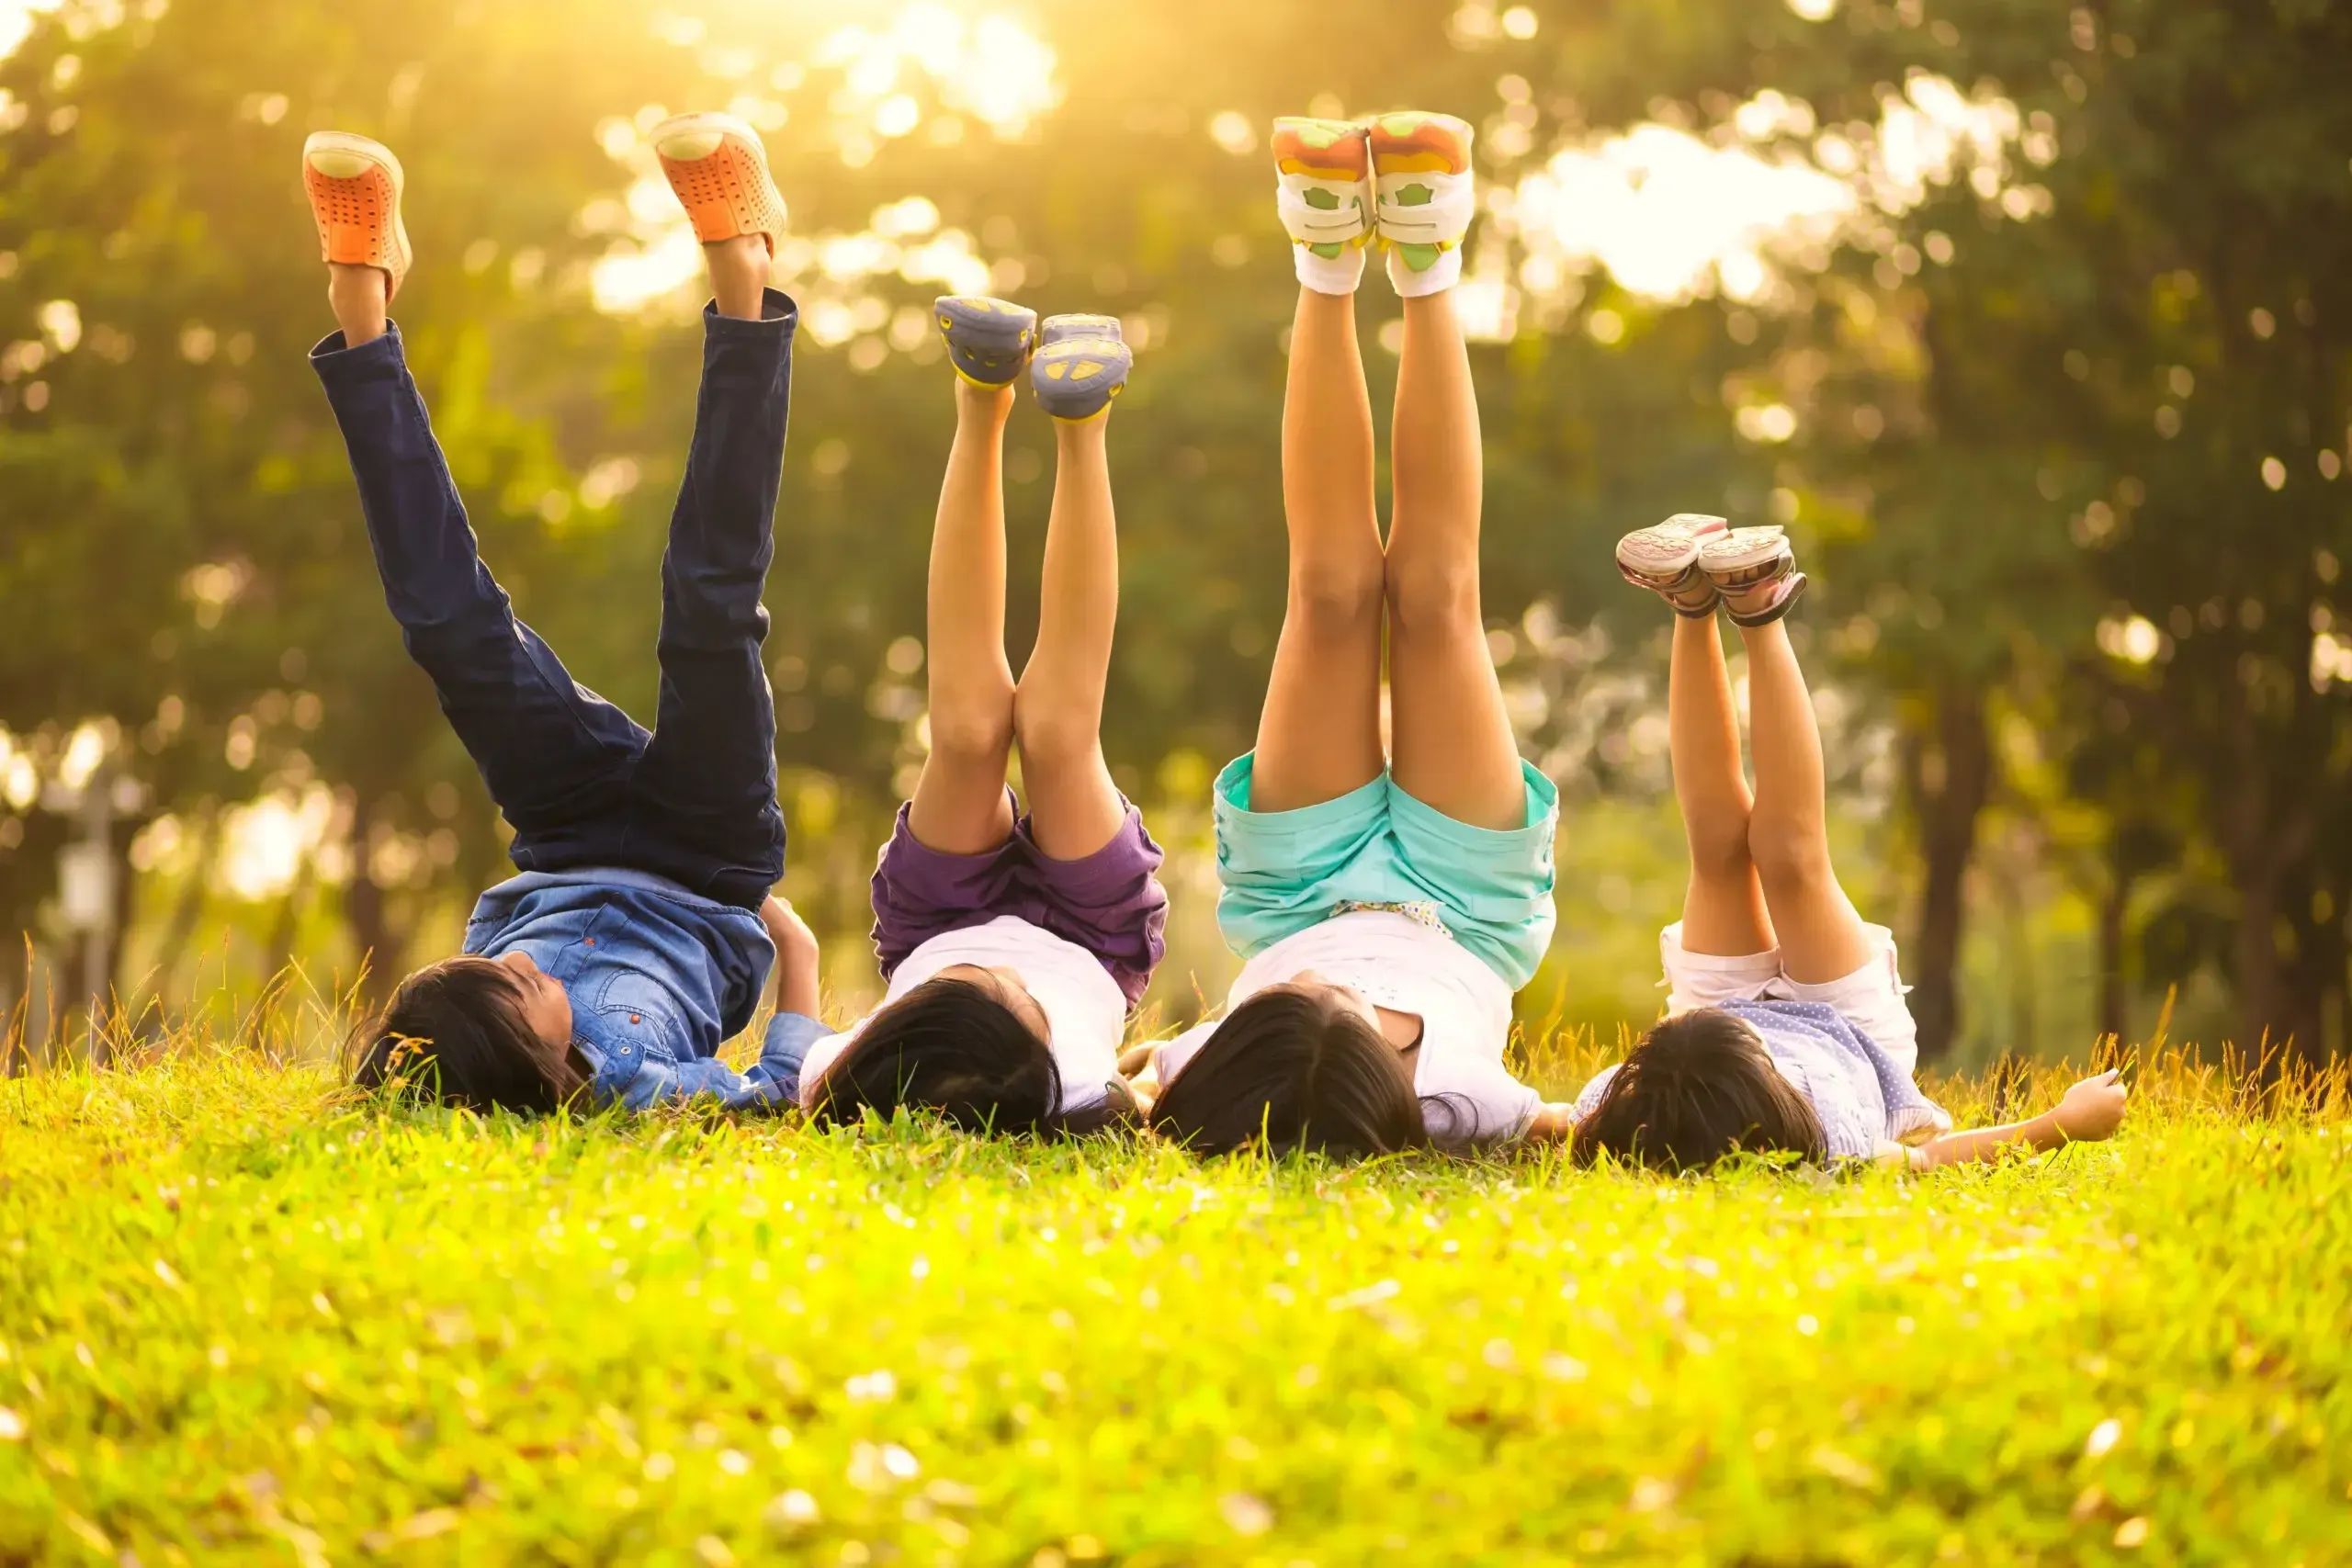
[[243, 1313], [2066, 421]]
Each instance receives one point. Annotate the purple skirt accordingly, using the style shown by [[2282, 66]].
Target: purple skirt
[[1111, 903]]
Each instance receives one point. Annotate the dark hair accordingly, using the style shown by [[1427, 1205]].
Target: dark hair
[[454, 1031], [1293, 1070], [948, 1045], [1697, 1087]]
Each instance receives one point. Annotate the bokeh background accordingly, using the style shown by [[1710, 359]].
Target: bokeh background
[[2034, 325]]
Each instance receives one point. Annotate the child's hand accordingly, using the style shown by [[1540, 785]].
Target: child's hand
[[786, 928], [2093, 1109], [797, 958]]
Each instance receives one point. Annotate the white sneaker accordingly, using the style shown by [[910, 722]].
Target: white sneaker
[[1324, 194], [1426, 198]]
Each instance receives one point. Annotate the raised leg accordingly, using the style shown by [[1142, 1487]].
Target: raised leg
[[555, 756], [1318, 736], [1821, 936], [1455, 748], [959, 804], [707, 783], [1723, 913], [1074, 808]]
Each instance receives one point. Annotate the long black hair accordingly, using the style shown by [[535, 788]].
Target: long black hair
[[949, 1046], [455, 1032], [1698, 1088], [1294, 1069]]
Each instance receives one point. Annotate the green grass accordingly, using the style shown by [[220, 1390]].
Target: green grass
[[246, 1318]]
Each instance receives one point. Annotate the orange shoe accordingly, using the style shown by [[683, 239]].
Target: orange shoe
[[720, 169], [355, 190]]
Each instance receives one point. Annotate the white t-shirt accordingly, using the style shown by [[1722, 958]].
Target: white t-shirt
[[1083, 1006], [1467, 1095]]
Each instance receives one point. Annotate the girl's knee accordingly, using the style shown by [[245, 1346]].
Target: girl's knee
[[1336, 597], [1055, 733], [979, 734], [1791, 857], [1430, 596]]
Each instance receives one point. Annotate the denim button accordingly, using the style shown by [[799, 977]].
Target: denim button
[[632, 1018]]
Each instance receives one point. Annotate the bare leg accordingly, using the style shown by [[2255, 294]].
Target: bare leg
[[959, 806], [738, 274], [357, 294], [1723, 913], [1453, 736], [1822, 937], [1319, 734], [1058, 711]]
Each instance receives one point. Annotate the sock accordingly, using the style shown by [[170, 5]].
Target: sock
[[1441, 274], [1329, 275]]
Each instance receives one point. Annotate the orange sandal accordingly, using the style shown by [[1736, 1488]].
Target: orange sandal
[[719, 167], [354, 190]]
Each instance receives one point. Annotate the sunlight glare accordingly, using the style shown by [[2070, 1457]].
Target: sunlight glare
[[16, 21], [265, 842], [1672, 216], [889, 78]]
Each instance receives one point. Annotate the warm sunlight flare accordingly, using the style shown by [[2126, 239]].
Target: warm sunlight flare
[[1671, 214], [931, 71]]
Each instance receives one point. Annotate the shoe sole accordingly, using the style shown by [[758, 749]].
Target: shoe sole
[[1740, 551], [1416, 141], [1322, 149], [354, 186], [1667, 550], [717, 167], [1077, 378], [1063, 329], [988, 340]]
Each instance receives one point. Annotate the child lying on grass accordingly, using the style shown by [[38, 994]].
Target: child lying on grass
[[639, 934], [1390, 884], [1786, 1027], [1014, 946]]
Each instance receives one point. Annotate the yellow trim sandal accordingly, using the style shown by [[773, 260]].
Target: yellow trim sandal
[[1082, 363], [989, 341]]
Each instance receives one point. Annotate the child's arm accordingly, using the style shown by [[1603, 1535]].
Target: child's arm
[[1553, 1123], [797, 958], [1140, 1067], [2090, 1111]]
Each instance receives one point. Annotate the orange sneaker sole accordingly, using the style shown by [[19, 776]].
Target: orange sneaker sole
[[1419, 143], [725, 187], [1322, 149], [354, 190]]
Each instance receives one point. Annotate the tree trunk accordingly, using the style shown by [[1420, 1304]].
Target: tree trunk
[[1949, 774], [363, 906], [2114, 1007], [2276, 1010]]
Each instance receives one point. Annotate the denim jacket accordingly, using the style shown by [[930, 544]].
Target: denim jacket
[[659, 978]]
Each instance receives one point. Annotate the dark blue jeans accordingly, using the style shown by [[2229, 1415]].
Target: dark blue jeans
[[581, 782]]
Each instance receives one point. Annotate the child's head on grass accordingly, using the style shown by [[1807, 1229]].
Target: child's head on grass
[[1697, 1087], [480, 1032], [1301, 1066], [970, 1043]]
